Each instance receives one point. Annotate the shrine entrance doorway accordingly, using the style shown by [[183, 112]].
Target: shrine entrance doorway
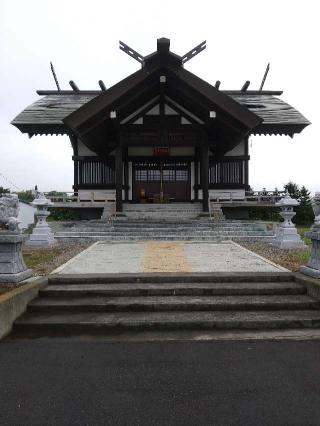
[[161, 180]]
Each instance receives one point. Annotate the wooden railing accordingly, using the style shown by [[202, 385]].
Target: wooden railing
[[87, 197], [250, 197]]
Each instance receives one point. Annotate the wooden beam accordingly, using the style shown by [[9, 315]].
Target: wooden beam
[[74, 86], [131, 52], [264, 77], [196, 174], [246, 166], [119, 177], [102, 85], [193, 52], [126, 175], [97, 92], [74, 143], [55, 76], [141, 111], [205, 176], [245, 86]]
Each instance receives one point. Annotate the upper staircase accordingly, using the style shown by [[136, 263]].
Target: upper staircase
[[154, 212], [130, 229]]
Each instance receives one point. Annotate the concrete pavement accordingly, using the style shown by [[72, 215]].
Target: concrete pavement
[[166, 256]]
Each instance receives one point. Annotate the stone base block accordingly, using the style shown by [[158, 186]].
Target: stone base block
[[12, 266], [41, 236], [288, 238], [306, 270], [17, 277]]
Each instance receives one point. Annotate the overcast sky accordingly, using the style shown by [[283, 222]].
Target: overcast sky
[[81, 38]]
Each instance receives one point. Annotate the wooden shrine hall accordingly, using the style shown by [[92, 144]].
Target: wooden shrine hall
[[162, 134]]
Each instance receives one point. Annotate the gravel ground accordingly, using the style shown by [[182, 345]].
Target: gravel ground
[[290, 259]]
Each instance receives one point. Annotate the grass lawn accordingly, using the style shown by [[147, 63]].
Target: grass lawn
[[302, 229]]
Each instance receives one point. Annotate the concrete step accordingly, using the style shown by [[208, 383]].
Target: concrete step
[[173, 226], [164, 234], [150, 225], [103, 323], [162, 238], [184, 278], [172, 303], [166, 229], [170, 289]]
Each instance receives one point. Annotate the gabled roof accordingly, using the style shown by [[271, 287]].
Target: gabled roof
[[145, 82], [67, 112]]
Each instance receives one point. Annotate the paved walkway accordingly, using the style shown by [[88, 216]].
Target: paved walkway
[[166, 256]]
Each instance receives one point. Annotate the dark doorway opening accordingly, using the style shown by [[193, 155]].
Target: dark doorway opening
[[161, 180]]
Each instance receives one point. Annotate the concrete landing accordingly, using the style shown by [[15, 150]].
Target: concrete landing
[[166, 256]]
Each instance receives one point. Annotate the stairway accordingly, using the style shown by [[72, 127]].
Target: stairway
[[166, 229], [171, 211], [114, 304]]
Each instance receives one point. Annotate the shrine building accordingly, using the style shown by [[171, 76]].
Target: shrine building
[[161, 135]]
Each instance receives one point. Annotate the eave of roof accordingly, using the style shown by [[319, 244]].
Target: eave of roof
[[45, 116]]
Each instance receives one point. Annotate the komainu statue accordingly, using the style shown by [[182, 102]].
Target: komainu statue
[[316, 208], [9, 210]]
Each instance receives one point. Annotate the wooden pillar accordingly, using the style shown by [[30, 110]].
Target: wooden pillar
[[74, 143], [196, 174], [126, 176], [205, 176], [119, 178], [246, 163]]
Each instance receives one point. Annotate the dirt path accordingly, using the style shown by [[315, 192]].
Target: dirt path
[[165, 256]]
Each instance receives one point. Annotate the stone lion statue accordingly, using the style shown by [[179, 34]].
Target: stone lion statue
[[316, 208], [9, 210]]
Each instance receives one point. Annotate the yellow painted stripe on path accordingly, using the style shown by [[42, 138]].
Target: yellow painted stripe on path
[[165, 256]]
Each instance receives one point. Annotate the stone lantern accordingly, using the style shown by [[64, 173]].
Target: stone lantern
[[313, 266], [42, 235], [287, 236], [12, 266]]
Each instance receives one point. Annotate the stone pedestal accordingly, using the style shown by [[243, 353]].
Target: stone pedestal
[[313, 266], [287, 236], [12, 266], [41, 236]]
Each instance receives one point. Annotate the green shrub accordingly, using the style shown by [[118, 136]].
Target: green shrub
[[56, 194], [304, 213], [58, 213], [27, 195], [4, 190], [265, 213]]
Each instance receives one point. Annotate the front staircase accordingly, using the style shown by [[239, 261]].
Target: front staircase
[[111, 305], [179, 221], [192, 230]]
